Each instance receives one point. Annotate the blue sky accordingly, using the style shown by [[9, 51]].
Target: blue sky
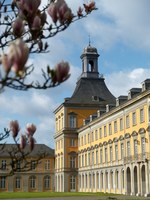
[[120, 30]]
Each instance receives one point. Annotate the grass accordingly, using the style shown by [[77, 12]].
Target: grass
[[15, 195]]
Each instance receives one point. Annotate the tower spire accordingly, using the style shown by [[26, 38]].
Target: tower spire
[[89, 40]]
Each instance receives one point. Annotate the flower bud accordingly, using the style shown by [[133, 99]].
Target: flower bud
[[61, 72], [18, 27], [31, 128], [52, 11], [80, 12], [36, 25], [14, 127]]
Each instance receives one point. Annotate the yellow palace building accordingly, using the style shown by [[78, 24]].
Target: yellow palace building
[[102, 143]]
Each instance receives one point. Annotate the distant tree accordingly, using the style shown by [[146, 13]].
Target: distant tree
[[26, 27]]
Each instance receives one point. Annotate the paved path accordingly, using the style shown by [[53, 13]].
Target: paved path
[[90, 198]]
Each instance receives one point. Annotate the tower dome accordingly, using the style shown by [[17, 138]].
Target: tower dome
[[90, 62]]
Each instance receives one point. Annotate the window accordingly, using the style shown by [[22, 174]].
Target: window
[[32, 182], [88, 138], [84, 139], [85, 159], [143, 145], [2, 182], [134, 119], [121, 124], [127, 121], [89, 158], [47, 164], [72, 121], [128, 148], [72, 142], [115, 126], [96, 135], [47, 182], [106, 155], [101, 156], [105, 133], [122, 150], [100, 133], [135, 148], [82, 160], [3, 165], [33, 165], [92, 135], [110, 129], [97, 157], [72, 183], [72, 161], [116, 152], [93, 158], [18, 165], [18, 182], [141, 115], [111, 154]]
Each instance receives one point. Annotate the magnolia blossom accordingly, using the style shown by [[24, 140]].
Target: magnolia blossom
[[59, 11], [89, 7], [28, 7], [31, 128], [18, 27], [18, 55], [14, 127], [6, 63], [61, 72]]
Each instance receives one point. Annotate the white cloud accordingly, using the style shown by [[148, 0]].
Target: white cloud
[[119, 83]]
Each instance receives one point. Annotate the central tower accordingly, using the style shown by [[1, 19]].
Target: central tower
[[91, 94]]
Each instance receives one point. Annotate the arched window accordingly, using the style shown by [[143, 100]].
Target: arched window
[[47, 183], [91, 64], [32, 182]]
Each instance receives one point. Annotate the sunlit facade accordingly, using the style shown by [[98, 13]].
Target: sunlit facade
[[102, 143]]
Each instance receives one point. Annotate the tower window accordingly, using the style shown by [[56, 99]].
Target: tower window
[[91, 65]]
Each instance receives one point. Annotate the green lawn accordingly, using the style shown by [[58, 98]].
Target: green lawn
[[15, 195]]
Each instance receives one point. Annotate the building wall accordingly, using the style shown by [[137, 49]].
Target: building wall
[[39, 179], [106, 151]]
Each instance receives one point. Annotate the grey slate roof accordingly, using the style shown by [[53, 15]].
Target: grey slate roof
[[91, 91], [38, 150]]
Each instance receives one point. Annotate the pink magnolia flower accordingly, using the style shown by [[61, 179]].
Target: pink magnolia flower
[[60, 11], [36, 25], [31, 128], [61, 72], [28, 7], [89, 7], [14, 127], [52, 11], [18, 27], [18, 55], [23, 142], [6, 63]]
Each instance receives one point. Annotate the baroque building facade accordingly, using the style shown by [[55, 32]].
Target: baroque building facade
[[37, 176], [102, 143]]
